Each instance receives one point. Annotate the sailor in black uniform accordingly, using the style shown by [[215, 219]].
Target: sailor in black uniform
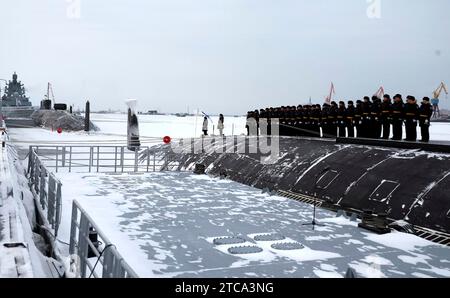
[[425, 113], [358, 119], [386, 111], [366, 120], [375, 113], [283, 121], [324, 122], [397, 117], [341, 113], [315, 120], [269, 120], [307, 115], [411, 116], [298, 121], [332, 119], [349, 119]]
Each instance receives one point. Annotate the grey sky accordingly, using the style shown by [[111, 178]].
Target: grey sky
[[223, 55]]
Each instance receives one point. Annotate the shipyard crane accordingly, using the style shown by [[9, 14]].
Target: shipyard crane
[[330, 96], [380, 93], [49, 98], [435, 100], [50, 92]]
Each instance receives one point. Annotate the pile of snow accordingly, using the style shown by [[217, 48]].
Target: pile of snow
[[55, 119]]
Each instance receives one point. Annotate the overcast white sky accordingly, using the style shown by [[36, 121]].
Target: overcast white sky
[[223, 56]]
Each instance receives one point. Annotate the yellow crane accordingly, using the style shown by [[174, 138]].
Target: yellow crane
[[435, 100]]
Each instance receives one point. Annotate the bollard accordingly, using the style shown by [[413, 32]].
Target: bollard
[[87, 113]]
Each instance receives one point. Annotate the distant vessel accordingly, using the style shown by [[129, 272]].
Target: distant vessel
[[150, 112], [16, 107], [15, 94], [184, 114]]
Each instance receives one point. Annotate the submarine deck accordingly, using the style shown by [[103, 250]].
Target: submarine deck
[[176, 224]]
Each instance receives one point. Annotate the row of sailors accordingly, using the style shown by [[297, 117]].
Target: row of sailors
[[369, 118]]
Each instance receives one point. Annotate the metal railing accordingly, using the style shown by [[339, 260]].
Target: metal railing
[[96, 252], [96, 257], [44, 184], [110, 159]]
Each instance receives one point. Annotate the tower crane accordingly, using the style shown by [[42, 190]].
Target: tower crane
[[435, 100]]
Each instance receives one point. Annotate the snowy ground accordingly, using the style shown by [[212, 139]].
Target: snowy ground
[[164, 224]]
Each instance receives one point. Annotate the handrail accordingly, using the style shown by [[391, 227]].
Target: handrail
[[100, 158], [112, 263], [48, 187]]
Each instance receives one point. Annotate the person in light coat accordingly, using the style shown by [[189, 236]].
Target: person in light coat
[[205, 126], [220, 125]]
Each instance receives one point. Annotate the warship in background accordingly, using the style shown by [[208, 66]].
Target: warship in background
[[16, 108], [18, 112]]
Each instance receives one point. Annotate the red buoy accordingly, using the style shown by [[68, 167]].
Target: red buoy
[[59, 130], [167, 140]]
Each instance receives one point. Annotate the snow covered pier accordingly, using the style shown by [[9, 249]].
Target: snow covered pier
[[15, 260]]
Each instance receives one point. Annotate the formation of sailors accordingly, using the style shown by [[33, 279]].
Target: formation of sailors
[[368, 118]]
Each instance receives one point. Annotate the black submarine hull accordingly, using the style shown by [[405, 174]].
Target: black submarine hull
[[408, 181]]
